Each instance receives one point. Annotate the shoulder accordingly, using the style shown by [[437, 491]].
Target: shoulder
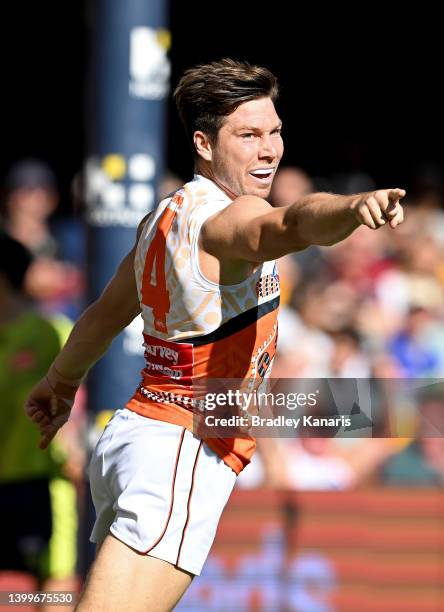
[[246, 208], [243, 209], [251, 200], [142, 224]]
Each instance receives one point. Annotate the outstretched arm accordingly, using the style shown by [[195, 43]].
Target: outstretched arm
[[50, 401], [250, 229]]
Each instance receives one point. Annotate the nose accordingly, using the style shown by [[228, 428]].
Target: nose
[[268, 148]]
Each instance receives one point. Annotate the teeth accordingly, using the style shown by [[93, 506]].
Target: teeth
[[263, 171]]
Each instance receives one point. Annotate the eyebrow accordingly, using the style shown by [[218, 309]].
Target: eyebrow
[[250, 128]]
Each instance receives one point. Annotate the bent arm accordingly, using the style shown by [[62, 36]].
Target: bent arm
[[49, 403], [250, 229], [99, 324]]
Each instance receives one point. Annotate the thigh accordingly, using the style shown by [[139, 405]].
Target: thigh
[[203, 485], [133, 473], [121, 578]]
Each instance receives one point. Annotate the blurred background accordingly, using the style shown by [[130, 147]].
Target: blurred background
[[315, 524]]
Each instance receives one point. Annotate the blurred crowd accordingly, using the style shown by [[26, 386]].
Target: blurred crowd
[[369, 307]]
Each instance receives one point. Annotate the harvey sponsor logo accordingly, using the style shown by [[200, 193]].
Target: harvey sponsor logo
[[165, 359], [163, 352]]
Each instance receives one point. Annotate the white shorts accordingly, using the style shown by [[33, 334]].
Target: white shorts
[[159, 489]]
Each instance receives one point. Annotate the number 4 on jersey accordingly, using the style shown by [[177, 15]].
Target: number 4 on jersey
[[157, 296]]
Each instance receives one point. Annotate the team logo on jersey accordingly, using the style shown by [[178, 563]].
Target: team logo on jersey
[[262, 364], [268, 285]]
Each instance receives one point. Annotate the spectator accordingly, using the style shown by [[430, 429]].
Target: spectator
[[416, 356], [348, 359], [32, 197], [31, 539], [290, 185], [315, 464], [421, 463]]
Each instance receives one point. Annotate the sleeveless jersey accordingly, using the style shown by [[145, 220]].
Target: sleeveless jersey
[[195, 329]]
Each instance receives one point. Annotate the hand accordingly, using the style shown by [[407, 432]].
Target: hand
[[374, 209], [48, 406]]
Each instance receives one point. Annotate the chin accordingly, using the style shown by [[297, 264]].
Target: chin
[[254, 190], [260, 193]]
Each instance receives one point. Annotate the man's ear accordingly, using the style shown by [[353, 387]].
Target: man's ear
[[203, 146]]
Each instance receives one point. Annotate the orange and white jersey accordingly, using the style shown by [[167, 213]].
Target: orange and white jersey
[[195, 329]]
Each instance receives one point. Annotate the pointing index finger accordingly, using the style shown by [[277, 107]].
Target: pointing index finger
[[396, 194]]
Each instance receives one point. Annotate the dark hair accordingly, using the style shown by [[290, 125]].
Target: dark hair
[[31, 173], [208, 93], [15, 260]]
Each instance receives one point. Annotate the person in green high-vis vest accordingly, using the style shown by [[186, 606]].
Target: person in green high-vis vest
[[38, 509]]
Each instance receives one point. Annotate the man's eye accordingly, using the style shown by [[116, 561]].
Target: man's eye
[[277, 132], [248, 135]]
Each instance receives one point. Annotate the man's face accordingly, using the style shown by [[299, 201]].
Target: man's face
[[249, 148]]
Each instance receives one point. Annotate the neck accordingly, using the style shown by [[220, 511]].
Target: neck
[[206, 171]]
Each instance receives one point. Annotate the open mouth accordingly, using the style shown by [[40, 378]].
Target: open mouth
[[263, 174]]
